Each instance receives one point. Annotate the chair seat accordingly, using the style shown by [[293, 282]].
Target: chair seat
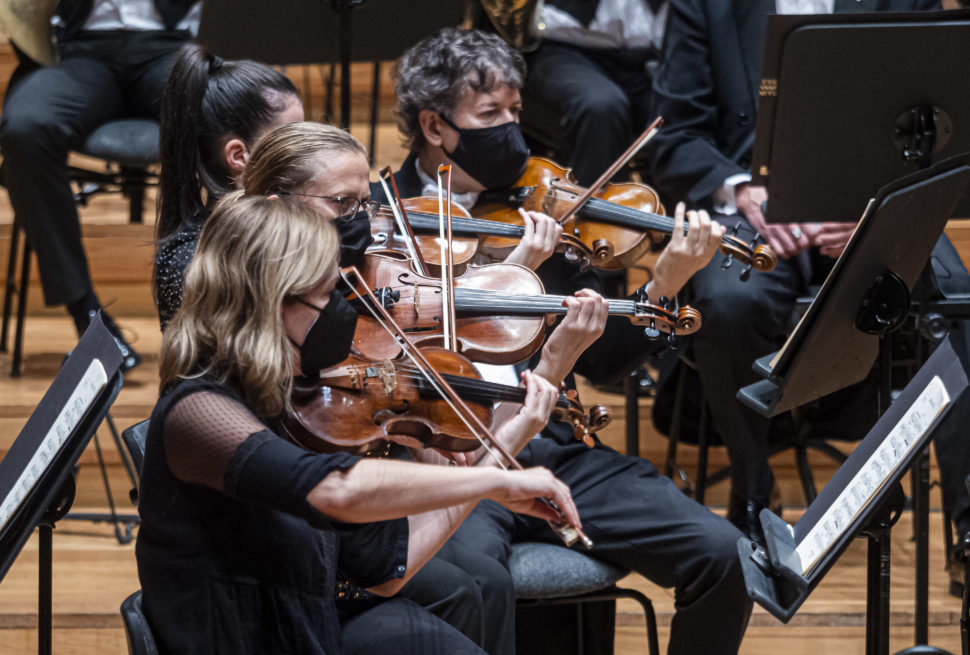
[[547, 571], [129, 142]]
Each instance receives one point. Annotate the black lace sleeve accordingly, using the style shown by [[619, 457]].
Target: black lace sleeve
[[212, 439]]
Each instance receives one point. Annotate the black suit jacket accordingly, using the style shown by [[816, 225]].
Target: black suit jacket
[[706, 89]]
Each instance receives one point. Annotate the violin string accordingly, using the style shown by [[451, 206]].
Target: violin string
[[430, 379]]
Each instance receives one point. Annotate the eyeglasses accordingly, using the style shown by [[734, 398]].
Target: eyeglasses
[[347, 205]]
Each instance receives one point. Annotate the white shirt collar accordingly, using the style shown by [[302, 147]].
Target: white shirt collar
[[429, 187]]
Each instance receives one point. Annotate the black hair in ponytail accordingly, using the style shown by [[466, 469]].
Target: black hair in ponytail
[[206, 101]]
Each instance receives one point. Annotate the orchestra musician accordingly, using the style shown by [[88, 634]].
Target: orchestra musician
[[115, 56], [212, 113], [594, 64], [706, 88], [242, 531], [327, 168], [458, 103]]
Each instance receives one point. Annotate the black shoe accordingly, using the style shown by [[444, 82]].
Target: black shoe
[[129, 358]]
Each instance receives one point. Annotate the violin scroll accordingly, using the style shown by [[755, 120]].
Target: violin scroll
[[583, 423]]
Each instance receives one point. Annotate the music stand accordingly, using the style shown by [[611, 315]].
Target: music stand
[[310, 32], [861, 498], [865, 297], [37, 482], [828, 103]]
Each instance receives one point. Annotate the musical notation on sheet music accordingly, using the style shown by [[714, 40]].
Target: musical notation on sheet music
[[887, 458], [93, 380]]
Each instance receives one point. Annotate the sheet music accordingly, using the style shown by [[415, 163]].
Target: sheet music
[[93, 380], [873, 474]]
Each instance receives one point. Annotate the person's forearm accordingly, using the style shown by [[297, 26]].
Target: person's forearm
[[377, 490]]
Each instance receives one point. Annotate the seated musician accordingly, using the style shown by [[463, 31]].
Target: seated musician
[[212, 112], [458, 100], [242, 531], [326, 168]]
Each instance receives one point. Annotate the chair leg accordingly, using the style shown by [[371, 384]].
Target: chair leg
[[580, 647], [10, 287], [676, 422], [805, 473], [649, 616], [703, 446], [134, 188], [631, 397], [18, 338]]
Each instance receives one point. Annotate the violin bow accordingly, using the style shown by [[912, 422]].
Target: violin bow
[[568, 533], [447, 261], [401, 218], [624, 159]]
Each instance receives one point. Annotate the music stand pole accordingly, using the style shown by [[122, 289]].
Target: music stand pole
[[343, 9]]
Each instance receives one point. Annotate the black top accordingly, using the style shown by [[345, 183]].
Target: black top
[[172, 258], [231, 556], [74, 14]]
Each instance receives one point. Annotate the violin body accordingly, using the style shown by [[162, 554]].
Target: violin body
[[482, 337], [549, 188], [387, 237], [362, 402]]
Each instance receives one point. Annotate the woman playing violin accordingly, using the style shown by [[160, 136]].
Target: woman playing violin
[[458, 95], [242, 531]]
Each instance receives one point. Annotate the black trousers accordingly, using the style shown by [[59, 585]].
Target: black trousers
[[746, 320], [400, 627], [639, 520], [50, 111], [602, 97]]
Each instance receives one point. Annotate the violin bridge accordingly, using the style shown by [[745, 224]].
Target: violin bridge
[[384, 371]]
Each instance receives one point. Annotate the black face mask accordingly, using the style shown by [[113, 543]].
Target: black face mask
[[328, 341], [495, 157], [354, 230]]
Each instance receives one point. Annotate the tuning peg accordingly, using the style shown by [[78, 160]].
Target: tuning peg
[[728, 261], [641, 294], [672, 340], [746, 273], [651, 330], [570, 255], [666, 303], [735, 229]]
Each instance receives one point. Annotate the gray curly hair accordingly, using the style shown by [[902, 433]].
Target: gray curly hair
[[436, 72]]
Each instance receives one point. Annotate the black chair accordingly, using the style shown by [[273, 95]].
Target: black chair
[[130, 150], [134, 438], [544, 574], [141, 641]]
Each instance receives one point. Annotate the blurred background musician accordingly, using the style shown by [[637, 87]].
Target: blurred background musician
[[594, 65], [706, 89], [111, 60]]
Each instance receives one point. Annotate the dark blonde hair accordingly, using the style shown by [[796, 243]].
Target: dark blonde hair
[[253, 252], [288, 157]]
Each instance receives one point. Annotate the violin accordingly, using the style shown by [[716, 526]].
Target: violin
[[362, 404], [471, 234], [429, 372], [617, 225], [501, 310]]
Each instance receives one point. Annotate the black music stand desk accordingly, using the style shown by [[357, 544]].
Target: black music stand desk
[[780, 580], [37, 475]]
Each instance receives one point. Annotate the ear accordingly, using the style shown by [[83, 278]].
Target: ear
[[431, 125], [235, 155]]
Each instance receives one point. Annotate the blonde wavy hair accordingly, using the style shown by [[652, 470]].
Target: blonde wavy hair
[[253, 252], [288, 157]]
